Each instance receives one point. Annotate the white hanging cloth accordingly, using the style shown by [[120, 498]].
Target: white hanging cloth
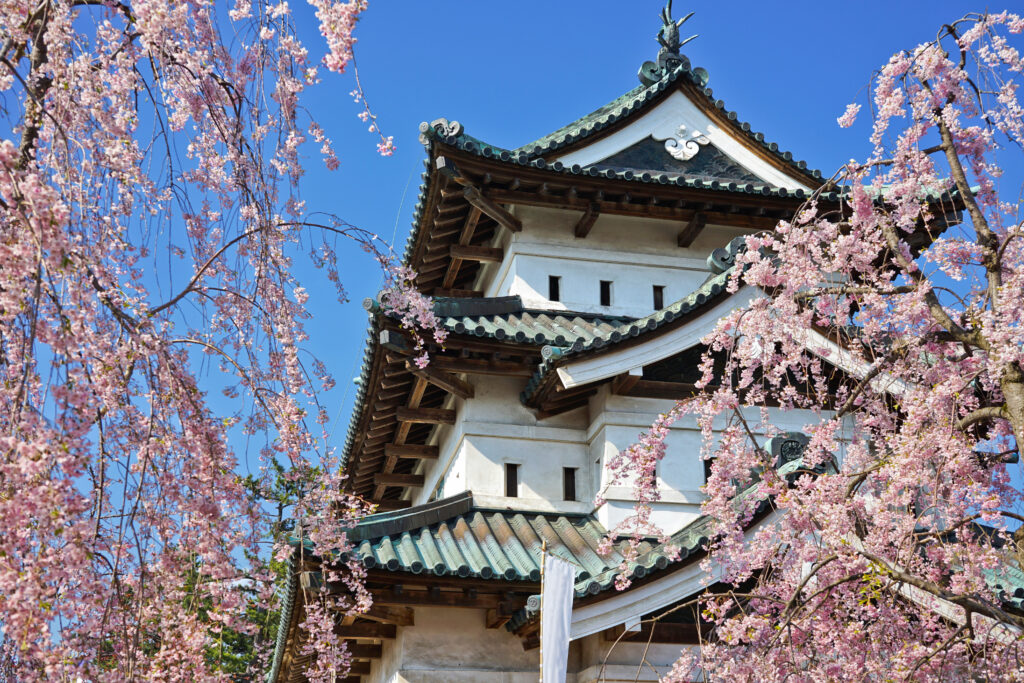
[[555, 618]]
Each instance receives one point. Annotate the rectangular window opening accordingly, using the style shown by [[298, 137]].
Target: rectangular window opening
[[511, 480], [554, 288], [606, 292], [659, 297], [707, 469], [569, 483]]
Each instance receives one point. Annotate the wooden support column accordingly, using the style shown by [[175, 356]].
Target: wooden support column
[[587, 220], [689, 233]]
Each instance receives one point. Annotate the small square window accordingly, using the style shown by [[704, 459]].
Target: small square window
[[606, 292], [568, 483], [511, 480], [554, 288], [659, 297]]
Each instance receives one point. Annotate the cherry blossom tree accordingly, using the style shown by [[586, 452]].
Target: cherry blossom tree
[[149, 220], [897, 319]]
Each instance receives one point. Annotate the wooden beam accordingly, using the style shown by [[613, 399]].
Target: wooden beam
[[366, 629], [472, 253], [437, 599], [689, 233], [479, 366], [661, 210], [499, 214], [397, 614], [442, 380], [457, 293], [411, 451], [398, 479], [587, 220], [365, 650], [391, 505], [394, 341], [434, 416]]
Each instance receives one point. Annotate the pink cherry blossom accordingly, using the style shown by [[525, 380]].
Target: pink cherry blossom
[[893, 318]]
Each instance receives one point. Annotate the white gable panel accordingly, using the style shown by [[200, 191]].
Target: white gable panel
[[663, 123]]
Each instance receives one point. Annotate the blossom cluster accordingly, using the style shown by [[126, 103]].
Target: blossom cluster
[[879, 557]]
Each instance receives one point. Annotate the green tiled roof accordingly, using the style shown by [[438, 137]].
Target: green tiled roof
[[637, 99], [439, 131], [505, 319], [1008, 583], [466, 541], [452, 537]]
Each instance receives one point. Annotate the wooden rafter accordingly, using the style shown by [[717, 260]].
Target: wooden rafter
[[419, 388]]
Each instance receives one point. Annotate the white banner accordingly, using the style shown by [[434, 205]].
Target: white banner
[[555, 618]]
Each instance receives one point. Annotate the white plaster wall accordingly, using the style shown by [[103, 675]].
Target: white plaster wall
[[493, 429], [453, 644], [633, 253], [617, 423]]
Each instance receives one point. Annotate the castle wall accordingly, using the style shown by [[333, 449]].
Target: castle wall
[[633, 253], [453, 645]]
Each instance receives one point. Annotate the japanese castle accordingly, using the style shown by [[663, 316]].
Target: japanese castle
[[576, 276]]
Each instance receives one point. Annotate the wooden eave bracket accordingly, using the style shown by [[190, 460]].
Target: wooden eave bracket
[[476, 198], [442, 380], [693, 228], [587, 220]]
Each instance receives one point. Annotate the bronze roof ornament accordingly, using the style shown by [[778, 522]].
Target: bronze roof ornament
[[668, 56]]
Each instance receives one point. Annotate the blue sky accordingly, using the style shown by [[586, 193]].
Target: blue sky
[[512, 72]]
